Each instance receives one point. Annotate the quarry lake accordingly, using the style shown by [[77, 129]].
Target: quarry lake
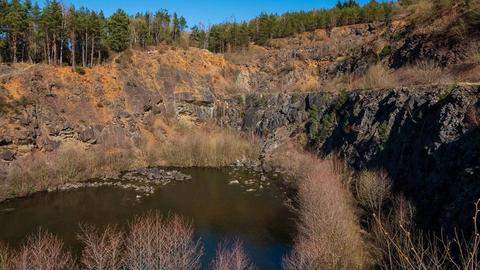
[[222, 204]]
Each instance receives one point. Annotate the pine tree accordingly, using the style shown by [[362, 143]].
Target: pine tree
[[72, 30], [52, 22], [16, 22], [118, 33], [198, 37], [3, 29]]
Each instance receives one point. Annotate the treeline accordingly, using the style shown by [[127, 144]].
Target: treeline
[[57, 34], [235, 36]]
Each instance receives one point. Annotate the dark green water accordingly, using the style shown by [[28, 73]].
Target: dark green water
[[218, 210]]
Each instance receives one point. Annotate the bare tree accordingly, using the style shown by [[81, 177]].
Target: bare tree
[[232, 257], [43, 251], [162, 243], [103, 250]]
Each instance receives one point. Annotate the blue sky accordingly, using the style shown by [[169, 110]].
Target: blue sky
[[207, 11]]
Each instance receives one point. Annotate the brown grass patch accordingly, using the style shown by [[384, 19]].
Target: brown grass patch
[[377, 77], [203, 148], [71, 163], [423, 73]]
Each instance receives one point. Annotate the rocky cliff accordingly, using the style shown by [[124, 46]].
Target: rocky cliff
[[426, 138]]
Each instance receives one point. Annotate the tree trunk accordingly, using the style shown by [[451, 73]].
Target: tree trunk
[[55, 57], [61, 52], [85, 56], [99, 57], [73, 48], [93, 50], [48, 50], [14, 48]]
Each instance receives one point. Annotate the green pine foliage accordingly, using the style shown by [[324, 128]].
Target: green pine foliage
[[58, 35], [234, 36], [118, 26]]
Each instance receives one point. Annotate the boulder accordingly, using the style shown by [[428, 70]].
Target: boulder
[[8, 155]]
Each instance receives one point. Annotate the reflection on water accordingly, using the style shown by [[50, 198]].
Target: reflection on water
[[219, 211]]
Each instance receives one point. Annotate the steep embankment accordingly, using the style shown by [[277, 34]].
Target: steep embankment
[[426, 138]]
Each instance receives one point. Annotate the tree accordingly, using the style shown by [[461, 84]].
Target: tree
[[198, 37], [72, 29], [52, 24], [3, 28], [161, 26], [118, 26], [15, 21]]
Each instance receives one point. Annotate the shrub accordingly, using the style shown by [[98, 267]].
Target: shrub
[[329, 232], [43, 251], [403, 247], [23, 102], [386, 51], [102, 250], [160, 243], [421, 10], [80, 70], [372, 190], [231, 257], [5, 257], [326, 126], [4, 106]]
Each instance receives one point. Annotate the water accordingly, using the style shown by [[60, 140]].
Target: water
[[219, 211]]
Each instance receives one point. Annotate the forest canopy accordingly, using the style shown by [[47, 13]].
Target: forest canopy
[[64, 35]]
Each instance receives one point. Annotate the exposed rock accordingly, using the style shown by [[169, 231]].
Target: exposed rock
[[87, 135], [8, 155], [421, 136]]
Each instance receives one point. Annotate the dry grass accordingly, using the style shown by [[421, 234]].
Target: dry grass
[[421, 11], [377, 77], [423, 73], [43, 251], [202, 148], [71, 163], [232, 257]]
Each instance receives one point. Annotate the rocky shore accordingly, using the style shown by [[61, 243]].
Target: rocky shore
[[143, 181]]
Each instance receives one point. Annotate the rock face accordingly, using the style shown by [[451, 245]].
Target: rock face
[[427, 139]]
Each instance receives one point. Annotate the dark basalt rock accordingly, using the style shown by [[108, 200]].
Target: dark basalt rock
[[426, 138]]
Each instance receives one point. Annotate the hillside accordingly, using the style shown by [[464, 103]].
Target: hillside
[[43, 104]]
